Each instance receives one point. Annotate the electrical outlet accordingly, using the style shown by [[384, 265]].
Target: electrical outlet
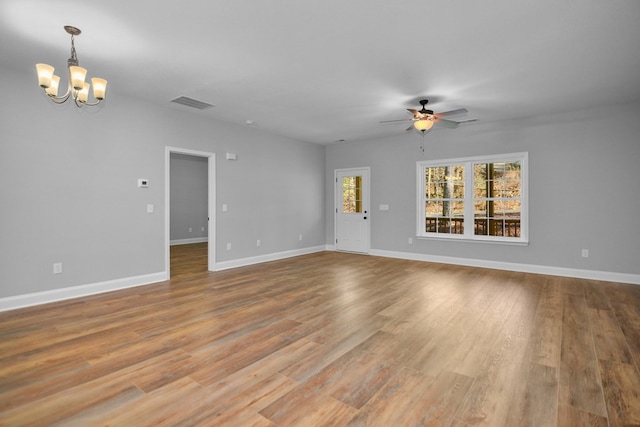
[[57, 268], [258, 242], [410, 240], [300, 237], [585, 253], [201, 228], [190, 229], [228, 246], [149, 208]]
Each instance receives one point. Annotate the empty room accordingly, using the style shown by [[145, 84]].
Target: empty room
[[296, 213]]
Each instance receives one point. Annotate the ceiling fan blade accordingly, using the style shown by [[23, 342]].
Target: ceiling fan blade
[[447, 123], [452, 112], [394, 121], [467, 121], [409, 128]]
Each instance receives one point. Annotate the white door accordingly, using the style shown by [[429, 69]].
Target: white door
[[352, 210]]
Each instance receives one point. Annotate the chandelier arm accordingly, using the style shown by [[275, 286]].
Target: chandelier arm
[[59, 99], [92, 104]]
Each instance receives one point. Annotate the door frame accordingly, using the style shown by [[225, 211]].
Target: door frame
[[367, 207], [211, 204]]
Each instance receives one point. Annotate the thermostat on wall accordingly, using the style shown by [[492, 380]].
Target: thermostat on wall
[[143, 183]]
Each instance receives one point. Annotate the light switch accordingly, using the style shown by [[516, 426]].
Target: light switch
[[149, 208], [384, 207]]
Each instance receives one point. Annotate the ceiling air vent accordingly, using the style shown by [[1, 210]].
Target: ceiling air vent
[[193, 103]]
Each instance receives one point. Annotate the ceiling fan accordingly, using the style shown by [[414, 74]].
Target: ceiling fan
[[424, 119]]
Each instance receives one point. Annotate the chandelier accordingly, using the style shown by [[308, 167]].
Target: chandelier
[[77, 88]]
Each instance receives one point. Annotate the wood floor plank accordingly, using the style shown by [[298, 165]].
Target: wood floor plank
[[628, 317], [331, 351], [239, 409], [609, 340], [621, 383], [489, 399], [328, 413], [536, 401], [580, 384], [399, 403], [351, 379], [163, 407], [328, 339], [546, 334], [570, 416], [70, 402]]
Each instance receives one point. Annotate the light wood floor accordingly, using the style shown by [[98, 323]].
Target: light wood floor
[[328, 339]]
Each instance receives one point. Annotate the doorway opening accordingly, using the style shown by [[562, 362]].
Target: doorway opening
[[190, 223]]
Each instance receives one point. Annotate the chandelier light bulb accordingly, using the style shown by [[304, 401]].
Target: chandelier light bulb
[[53, 89], [45, 73], [99, 88], [83, 95], [78, 74]]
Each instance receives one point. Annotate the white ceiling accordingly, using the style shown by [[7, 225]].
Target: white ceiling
[[328, 70]]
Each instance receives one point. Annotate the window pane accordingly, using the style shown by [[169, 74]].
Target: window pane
[[458, 190], [352, 194], [480, 189], [481, 226], [434, 208], [430, 190], [444, 199], [498, 170], [480, 172], [480, 208]]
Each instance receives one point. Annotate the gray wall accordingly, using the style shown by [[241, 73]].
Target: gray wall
[[189, 197], [69, 191], [584, 187], [69, 187]]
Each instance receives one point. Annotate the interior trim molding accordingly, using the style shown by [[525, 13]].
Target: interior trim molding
[[606, 276], [188, 241], [54, 295], [242, 262]]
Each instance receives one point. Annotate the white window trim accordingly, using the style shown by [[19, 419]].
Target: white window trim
[[523, 157]]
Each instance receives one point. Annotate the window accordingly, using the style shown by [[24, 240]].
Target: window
[[476, 198], [352, 194]]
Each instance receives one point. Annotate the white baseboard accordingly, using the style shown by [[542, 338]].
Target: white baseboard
[[242, 262], [27, 300], [188, 241], [510, 266]]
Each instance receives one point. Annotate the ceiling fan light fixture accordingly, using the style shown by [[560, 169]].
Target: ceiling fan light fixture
[[423, 125]]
